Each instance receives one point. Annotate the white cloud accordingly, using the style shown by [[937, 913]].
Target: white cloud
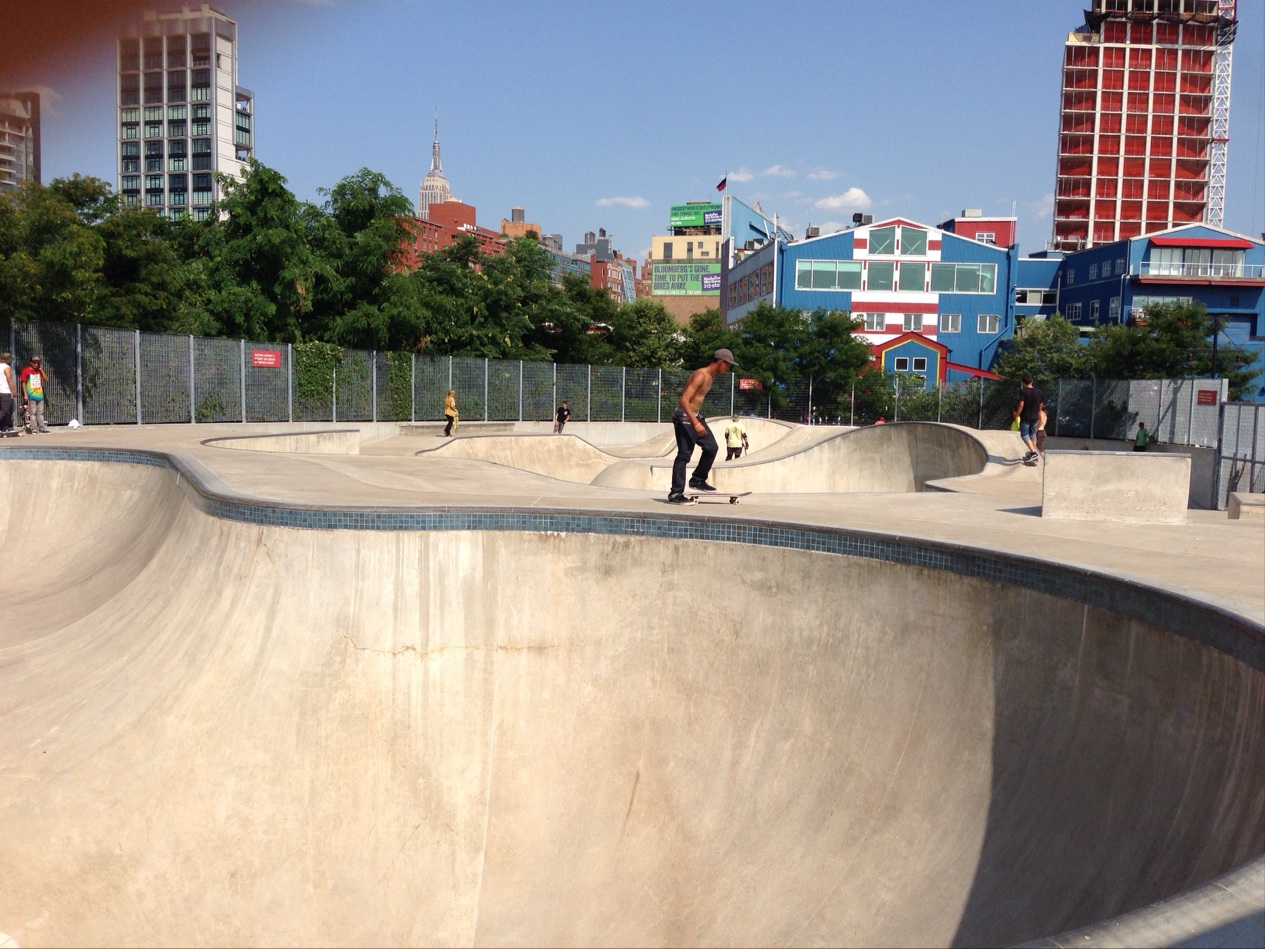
[[779, 171], [624, 201], [823, 175], [741, 175], [854, 199], [1043, 207]]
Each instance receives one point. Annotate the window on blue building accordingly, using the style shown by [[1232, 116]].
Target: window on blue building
[[880, 275], [882, 240], [913, 242], [950, 322]]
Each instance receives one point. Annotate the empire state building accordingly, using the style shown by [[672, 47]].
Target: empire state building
[[434, 189]]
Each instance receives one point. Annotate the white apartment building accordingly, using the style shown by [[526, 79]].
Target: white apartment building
[[182, 117]]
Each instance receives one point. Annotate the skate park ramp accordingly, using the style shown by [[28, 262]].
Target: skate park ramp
[[897, 457], [214, 732]]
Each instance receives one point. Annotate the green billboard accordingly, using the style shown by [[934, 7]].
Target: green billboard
[[699, 214], [684, 280]]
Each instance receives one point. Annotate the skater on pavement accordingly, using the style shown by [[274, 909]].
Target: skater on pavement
[[34, 379], [735, 439], [691, 428], [450, 411], [1028, 413], [560, 420], [8, 389]]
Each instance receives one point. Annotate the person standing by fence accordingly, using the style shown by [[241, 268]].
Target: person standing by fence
[[450, 411], [8, 390], [560, 419], [34, 380]]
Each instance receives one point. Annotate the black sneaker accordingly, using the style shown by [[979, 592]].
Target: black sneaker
[[701, 486], [678, 499]]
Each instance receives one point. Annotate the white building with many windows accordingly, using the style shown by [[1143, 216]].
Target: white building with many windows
[[181, 114]]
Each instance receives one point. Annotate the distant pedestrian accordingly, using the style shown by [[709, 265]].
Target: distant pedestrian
[[450, 411], [880, 421], [34, 383], [735, 439], [8, 390], [561, 418], [1142, 439], [1027, 413]]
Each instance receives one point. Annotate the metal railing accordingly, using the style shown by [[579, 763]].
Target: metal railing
[[104, 376]]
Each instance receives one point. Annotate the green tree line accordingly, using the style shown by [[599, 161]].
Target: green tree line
[[267, 266]]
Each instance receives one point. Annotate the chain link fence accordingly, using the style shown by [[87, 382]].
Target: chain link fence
[[1240, 451], [105, 376]]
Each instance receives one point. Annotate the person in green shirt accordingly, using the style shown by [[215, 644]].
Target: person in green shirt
[[1143, 436]]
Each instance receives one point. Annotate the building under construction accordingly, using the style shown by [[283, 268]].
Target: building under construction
[[1144, 122]]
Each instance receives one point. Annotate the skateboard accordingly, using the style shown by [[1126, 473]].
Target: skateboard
[[733, 496], [1033, 463]]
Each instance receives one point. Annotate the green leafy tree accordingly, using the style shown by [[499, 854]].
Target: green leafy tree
[[705, 334], [1171, 341], [258, 262], [147, 283], [50, 252], [646, 335], [368, 301], [1047, 349], [771, 341], [832, 356], [578, 330]]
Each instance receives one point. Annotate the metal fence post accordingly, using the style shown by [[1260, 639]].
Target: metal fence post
[[243, 355], [485, 388], [290, 381], [412, 387], [1093, 406], [810, 400], [555, 384], [939, 403], [1058, 409], [520, 390], [623, 390], [137, 361], [373, 387], [334, 396], [589, 397], [78, 372], [193, 396], [979, 424], [852, 408], [659, 400], [733, 396], [449, 372]]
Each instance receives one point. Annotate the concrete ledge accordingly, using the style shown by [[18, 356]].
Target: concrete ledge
[[1247, 507], [1137, 487], [334, 442]]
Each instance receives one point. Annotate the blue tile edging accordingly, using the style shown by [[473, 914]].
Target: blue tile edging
[[1213, 624]]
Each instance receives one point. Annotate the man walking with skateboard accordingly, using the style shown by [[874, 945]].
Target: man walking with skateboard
[[691, 428]]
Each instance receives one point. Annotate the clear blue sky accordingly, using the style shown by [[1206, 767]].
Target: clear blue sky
[[594, 115]]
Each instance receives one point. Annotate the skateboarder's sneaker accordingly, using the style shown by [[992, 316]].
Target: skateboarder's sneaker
[[701, 486], [1030, 456], [675, 498]]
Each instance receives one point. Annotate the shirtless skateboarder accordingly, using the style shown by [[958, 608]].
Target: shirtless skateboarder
[[691, 428]]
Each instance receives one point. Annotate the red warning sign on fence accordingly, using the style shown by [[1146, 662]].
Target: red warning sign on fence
[[750, 384], [1206, 397], [265, 358]]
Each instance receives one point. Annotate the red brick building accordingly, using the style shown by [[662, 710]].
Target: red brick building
[[445, 223]]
